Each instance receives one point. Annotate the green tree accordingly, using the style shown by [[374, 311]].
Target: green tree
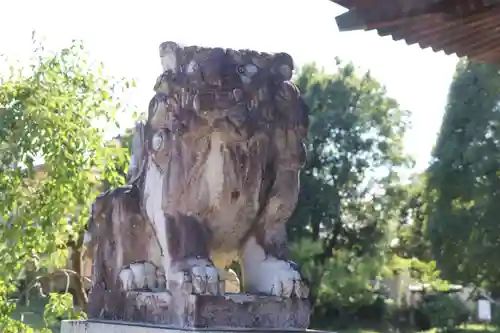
[[411, 241], [52, 113], [464, 179], [348, 196]]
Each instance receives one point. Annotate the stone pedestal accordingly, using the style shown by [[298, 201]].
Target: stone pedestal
[[240, 310], [96, 326]]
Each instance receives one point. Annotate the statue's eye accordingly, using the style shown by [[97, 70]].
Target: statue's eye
[[241, 69]]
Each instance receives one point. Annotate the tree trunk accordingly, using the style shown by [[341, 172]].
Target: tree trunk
[[77, 284], [315, 229]]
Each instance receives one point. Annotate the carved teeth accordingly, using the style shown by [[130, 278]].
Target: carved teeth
[[196, 102], [172, 105], [237, 94], [253, 103], [184, 98]]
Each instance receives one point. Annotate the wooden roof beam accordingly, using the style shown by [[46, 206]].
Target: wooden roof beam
[[350, 21], [353, 20], [367, 18]]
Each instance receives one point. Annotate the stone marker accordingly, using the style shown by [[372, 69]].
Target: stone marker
[[213, 178]]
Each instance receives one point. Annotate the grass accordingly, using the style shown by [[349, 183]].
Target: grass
[[472, 328], [364, 330], [476, 328], [468, 328]]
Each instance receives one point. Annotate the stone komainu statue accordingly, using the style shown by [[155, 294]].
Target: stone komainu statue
[[214, 178]]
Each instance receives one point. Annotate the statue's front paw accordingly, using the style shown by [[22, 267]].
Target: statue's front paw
[[196, 276], [141, 276], [279, 278]]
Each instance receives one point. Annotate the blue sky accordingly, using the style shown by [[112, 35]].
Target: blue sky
[[125, 36]]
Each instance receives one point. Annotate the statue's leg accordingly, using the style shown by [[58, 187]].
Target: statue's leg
[[183, 241], [191, 269], [121, 244], [264, 256]]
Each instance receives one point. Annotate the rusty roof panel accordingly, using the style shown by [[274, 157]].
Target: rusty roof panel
[[468, 29]]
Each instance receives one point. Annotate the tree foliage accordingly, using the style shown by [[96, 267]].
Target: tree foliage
[[348, 197], [411, 240], [53, 161], [464, 179]]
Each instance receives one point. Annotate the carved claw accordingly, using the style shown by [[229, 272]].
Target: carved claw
[[287, 283], [140, 276], [200, 278], [279, 278]]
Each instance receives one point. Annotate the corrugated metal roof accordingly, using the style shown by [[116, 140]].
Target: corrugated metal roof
[[465, 27]]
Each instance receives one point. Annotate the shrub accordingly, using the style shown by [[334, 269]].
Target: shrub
[[442, 311]]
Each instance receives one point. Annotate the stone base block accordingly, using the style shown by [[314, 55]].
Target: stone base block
[[200, 311], [96, 326]]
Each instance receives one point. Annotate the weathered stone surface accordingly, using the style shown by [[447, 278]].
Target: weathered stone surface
[[214, 177], [205, 311], [102, 326]]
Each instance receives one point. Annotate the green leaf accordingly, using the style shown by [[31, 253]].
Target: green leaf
[[48, 111]]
